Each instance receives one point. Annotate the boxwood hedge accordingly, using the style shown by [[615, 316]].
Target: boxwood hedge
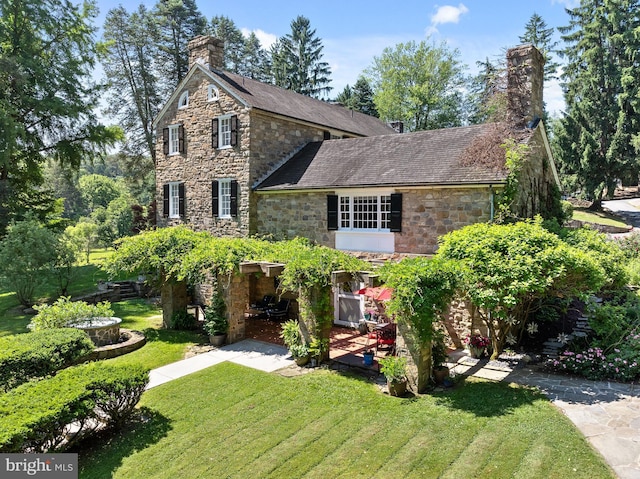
[[54, 413], [24, 357]]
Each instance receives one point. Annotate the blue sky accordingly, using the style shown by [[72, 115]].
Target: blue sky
[[354, 32]]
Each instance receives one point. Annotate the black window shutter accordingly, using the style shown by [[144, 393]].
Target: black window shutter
[[234, 130], [396, 213], [234, 198], [332, 212], [326, 135], [181, 138], [181, 199], [214, 133], [165, 200], [165, 140], [215, 199]]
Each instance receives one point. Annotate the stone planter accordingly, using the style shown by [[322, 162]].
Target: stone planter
[[217, 339], [475, 352], [301, 360], [440, 374]]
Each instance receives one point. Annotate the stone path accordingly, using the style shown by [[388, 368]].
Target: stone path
[[607, 413]]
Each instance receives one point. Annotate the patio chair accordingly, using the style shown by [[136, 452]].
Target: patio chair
[[386, 337], [279, 311], [259, 309]]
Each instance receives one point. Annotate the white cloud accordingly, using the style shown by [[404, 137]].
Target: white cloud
[[566, 3], [448, 14], [266, 39]]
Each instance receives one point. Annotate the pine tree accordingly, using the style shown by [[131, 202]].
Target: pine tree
[[541, 37], [255, 60], [297, 61], [363, 97], [178, 21], [129, 64], [593, 142], [486, 100], [225, 29]]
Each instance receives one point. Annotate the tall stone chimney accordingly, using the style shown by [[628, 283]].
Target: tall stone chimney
[[207, 51], [525, 73]]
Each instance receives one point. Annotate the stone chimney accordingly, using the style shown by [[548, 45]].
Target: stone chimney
[[206, 50], [525, 73]]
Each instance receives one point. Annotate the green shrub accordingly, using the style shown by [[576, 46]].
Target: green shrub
[[183, 321], [64, 313], [630, 245], [633, 270], [215, 316], [34, 355], [36, 416]]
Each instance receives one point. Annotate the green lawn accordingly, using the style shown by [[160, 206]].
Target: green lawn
[[597, 217], [233, 422]]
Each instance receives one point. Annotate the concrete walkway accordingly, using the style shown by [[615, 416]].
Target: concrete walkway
[[607, 413], [255, 354]]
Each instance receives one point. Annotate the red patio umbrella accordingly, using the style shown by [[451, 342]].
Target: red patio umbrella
[[378, 293]]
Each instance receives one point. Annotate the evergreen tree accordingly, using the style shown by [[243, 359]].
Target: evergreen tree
[[234, 42], [363, 97], [345, 97], [419, 84], [255, 60], [540, 36], [593, 142], [47, 99], [297, 61], [178, 21], [486, 100], [129, 64]]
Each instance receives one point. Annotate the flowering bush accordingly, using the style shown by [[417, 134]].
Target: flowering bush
[[477, 341], [621, 364]]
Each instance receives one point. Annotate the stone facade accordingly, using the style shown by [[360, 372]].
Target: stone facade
[[427, 213]]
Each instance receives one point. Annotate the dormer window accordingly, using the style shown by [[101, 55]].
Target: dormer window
[[183, 102], [212, 93]]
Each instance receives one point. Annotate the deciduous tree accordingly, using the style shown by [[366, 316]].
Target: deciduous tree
[[419, 84], [47, 98]]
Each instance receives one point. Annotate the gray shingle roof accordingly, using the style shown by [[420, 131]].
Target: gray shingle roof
[[273, 99], [420, 158]]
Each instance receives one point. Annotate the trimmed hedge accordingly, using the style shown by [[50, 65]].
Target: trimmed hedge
[[56, 412], [28, 356]]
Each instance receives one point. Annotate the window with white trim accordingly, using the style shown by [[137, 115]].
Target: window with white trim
[[183, 102], [174, 200], [225, 198], [212, 93], [366, 212], [224, 131], [174, 139]]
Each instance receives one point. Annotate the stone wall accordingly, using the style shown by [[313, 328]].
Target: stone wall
[[462, 320], [430, 213], [426, 214], [537, 188]]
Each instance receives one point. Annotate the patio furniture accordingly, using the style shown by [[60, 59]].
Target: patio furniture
[[385, 336], [279, 311], [259, 309]]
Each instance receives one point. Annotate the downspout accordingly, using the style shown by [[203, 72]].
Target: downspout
[[491, 204]]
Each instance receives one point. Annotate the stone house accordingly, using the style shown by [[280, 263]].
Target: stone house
[[238, 157]]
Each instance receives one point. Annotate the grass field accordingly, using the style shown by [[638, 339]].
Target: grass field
[[597, 217], [233, 422]]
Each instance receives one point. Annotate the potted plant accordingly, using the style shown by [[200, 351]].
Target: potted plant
[[477, 344], [394, 369], [292, 339], [439, 357], [215, 321]]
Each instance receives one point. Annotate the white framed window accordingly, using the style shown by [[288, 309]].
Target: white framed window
[[212, 93], [224, 131], [183, 102], [365, 212], [174, 199], [225, 198], [174, 139]]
